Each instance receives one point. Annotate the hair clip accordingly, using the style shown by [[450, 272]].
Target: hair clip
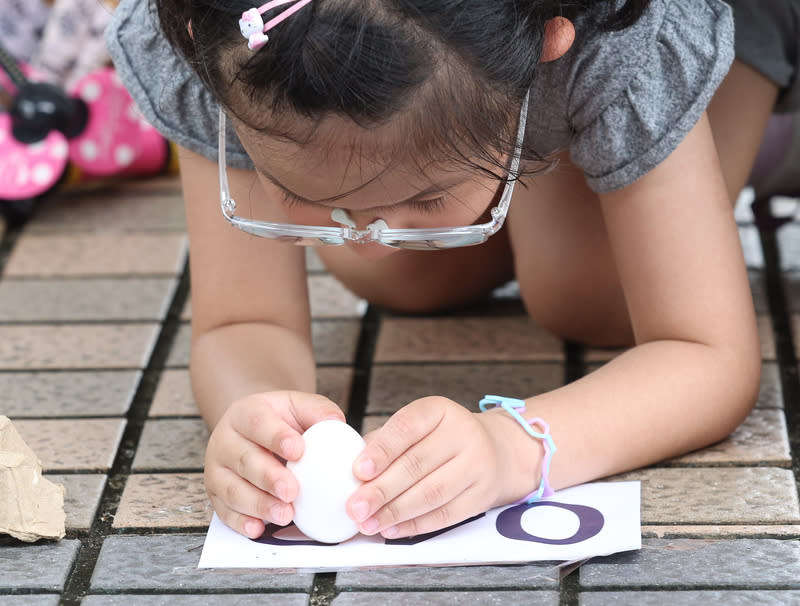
[[252, 24]]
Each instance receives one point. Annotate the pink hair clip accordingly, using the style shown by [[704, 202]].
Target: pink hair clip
[[253, 27]]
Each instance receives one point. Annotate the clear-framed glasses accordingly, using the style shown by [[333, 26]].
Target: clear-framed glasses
[[378, 231]]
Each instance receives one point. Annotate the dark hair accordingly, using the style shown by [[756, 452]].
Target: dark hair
[[457, 68]]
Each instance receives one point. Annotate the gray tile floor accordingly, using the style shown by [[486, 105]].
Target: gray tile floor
[[94, 338]]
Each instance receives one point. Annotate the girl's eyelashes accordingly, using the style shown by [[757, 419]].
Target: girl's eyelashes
[[430, 206]]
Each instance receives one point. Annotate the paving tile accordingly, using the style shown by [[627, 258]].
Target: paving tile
[[313, 263], [758, 288], [717, 495], [770, 393], [157, 208], [395, 385], [67, 394], [537, 576], [690, 598], [73, 444], [791, 289], [186, 312], [164, 500], [764, 331], [173, 396], [724, 531], [447, 339], [335, 383], [331, 299], [760, 440], [684, 564], [171, 444], [82, 497], [441, 598], [76, 346], [43, 599], [167, 562], [335, 341], [788, 240], [36, 566], [228, 599], [71, 300], [751, 246], [97, 254], [181, 347]]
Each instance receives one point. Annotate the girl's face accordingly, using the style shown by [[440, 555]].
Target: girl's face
[[350, 168]]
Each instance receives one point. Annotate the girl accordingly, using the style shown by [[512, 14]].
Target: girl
[[450, 146]]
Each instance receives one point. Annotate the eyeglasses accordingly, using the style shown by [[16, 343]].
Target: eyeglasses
[[378, 231]]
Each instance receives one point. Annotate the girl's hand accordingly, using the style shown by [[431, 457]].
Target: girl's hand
[[245, 476], [434, 464]]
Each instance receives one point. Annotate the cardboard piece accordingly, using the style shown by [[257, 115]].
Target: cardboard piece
[[31, 507]]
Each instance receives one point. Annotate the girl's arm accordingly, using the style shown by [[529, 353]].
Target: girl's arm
[[689, 381], [252, 364], [693, 375]]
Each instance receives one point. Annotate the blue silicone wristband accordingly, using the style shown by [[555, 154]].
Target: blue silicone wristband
[[513, 406]]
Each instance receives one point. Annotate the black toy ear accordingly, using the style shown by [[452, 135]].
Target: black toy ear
[[39, 108]]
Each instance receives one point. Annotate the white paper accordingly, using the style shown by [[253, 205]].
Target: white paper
[[574, 524]]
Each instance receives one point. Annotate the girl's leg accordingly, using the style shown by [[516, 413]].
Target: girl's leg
[[739, 113]]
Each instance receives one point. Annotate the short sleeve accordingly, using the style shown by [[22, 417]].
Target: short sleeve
[[676, 58], [166, 90]]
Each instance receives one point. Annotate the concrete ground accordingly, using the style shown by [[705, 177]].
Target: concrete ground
[[95, 310]]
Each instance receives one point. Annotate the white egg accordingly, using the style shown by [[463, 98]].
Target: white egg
[[325, 476]]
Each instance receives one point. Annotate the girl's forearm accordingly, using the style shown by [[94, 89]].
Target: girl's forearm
[[237, 360], [655, 401]]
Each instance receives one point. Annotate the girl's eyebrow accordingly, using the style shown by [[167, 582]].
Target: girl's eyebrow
[[435, 188]]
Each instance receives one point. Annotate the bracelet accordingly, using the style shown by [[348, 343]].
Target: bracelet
[[514, 406]]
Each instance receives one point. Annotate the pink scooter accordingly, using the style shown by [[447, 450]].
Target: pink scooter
[[93, 131]]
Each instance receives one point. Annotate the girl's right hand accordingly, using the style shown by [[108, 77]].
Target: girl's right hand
[[245, 476]]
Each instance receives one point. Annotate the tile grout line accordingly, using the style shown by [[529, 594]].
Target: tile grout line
[[786, 358], [79, 580]]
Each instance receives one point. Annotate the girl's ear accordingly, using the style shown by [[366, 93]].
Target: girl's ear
[[189, 29], [559, 34]]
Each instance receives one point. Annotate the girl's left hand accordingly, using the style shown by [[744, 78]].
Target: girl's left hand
[[434, 464]]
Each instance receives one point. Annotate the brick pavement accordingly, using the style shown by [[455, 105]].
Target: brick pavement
[[94, 340]]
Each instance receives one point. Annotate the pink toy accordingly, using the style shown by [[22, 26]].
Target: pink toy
[[116, 139], [28, 169]]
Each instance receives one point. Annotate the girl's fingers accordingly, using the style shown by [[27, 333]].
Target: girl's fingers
[[261, 469], [410, 472], [436, 492], [242, 506], [402, 430], [276, 420], [453, 512]]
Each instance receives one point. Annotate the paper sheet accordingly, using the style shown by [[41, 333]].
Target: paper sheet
[[576, 523]]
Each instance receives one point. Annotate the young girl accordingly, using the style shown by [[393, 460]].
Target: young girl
[[423, 137]]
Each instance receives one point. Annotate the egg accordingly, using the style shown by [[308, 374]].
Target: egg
[[325, 476]]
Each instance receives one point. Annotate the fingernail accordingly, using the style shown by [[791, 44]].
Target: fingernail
[[366, 468], [280, 490], [370, 526], [390, 532], [252, 529], [360, 510], [287, 446], [279, 513]]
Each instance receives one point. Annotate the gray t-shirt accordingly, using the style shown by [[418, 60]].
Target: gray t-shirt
[[621, 102]]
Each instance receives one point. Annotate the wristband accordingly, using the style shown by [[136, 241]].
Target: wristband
[[514, 406]]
